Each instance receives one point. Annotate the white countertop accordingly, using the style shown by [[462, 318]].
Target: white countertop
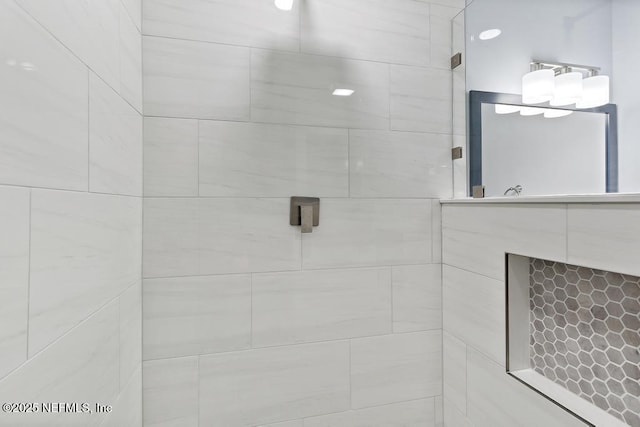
[[558, 199]]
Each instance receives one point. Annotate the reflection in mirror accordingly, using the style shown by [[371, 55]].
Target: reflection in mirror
[[517, 149], [561, 155]]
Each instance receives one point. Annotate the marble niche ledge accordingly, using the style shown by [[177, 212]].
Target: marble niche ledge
[[560, 198]]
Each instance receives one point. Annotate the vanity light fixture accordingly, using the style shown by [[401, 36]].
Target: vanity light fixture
[[507, 109], [538, 85], [565, 84], [343, 92], [284, 4], [551, 113]]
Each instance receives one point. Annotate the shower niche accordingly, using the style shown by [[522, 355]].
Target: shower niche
[[573, 335]]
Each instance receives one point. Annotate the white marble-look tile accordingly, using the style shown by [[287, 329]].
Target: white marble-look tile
[[369, 232], [476, 238], [247, 235], [196, 315], [460, 169], [170, 237], [43, 113], [274, 384], [395, 368], [375, 30], [460, 4], [170, 392], [130, 303], [89, 29], [297, 89], [474, 310], [130, 55], [454, 355], [260, 160], [127, 410], [604, 236], [399, 164], [436, 231], [195, 79], [496, 399], [417, 297], [85, 250], [170, 157], [14, 277], [439, 411], [441, 17], [134, 9], [320, 305], [417, 413], [80, 367], [239, 22], [420, 99], [453, 417], [115, 142], [293, 423]]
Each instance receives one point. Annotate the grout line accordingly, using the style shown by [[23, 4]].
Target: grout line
[[88, 131], [29, 269], [31, 187]]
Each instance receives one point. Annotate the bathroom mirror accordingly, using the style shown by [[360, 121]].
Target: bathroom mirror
[[534, 150]]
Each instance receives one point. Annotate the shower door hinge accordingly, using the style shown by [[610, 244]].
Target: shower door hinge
[[456, 153], [456, 60]]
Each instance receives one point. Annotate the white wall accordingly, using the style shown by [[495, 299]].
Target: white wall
[[541, 154], [70, 209], [477, 390], [626, 61], [246, 321]]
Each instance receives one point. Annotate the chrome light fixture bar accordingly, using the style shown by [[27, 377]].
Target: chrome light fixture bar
[[563, 84]]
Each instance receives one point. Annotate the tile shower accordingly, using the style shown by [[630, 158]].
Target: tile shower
[[585, 334]]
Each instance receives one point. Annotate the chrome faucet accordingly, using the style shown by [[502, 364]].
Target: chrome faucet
[[515, 190]]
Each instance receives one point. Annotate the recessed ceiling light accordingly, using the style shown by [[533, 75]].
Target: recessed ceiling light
[[284, 4], [490, 34], [343, 92]]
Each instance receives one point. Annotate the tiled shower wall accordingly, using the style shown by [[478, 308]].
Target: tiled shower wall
[[71, 208], [476, 236], [246, 321], [585, 334]]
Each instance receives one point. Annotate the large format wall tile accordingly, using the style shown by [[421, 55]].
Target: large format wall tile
[[134, 9], [417, 297], [43, 113], [240, 22], [247, 235], [377, 30], [474, 310], [14, 276], [375, 156], [195, 79], [85, 250], [395, 368], [80, 367], [256, 160], [274, 384], [88, 29], [170, 237], [417, 413], [605, 237], [130, 60], [170, 157], [218, 236], [320, 305], [476, 238], [196, 315], [454, 355], [115, 142], [129, 404], [170, 392], [421, 99], [441, 34], [369, 232], [130, 304], [297, 89], [496, 399]]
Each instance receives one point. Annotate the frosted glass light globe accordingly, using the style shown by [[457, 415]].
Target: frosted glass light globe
[[284, 4], [568, 89], [538, 86], [595, 92]]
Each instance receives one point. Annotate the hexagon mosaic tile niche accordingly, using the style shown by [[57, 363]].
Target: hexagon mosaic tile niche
[[585, 334]]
